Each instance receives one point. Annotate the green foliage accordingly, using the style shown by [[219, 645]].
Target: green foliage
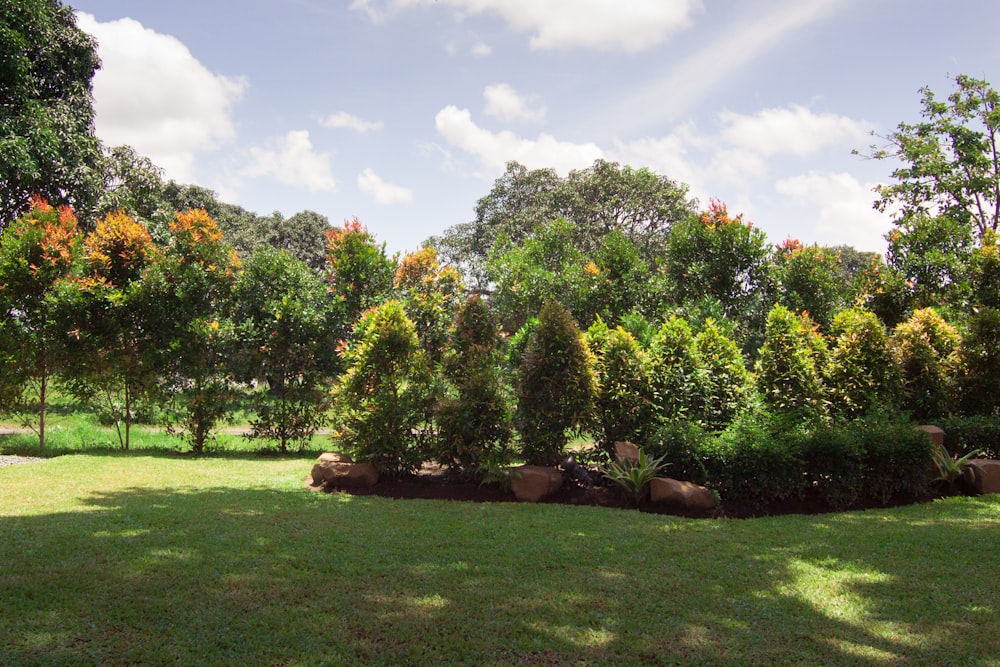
[[925, 348], [287, 336], [384, 396], [932, 254], [359, 272], [38, 252], [718, 256], [862, 375], [634, 476], [974, 433], [431, 294], [726, 384], [47, 142], [543, 267], [950, 160], [623, 409], [977, 377], [474, 422], [601, 199], [808, 280], [884, 290], [555, 385], [984, 272], [951, 468], [676, 373], [789, 371]]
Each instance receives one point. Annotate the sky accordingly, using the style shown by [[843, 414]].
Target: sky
[[403, 113]]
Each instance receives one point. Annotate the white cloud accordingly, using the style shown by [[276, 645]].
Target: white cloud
[[733, 48], [481, 49], [566, 24], [342, 119], [495, 149], [154, 95], [505, 103], [795, 130], [842, 209], [383, 193], [292, 160]]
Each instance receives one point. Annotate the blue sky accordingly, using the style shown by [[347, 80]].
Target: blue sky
[[404, 112]]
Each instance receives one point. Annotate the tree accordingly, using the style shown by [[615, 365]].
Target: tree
[[111, 358], [303, 236], [188, 295], [359, 273], [862, 375], [808, 280], [384, 396], [951, 159], [726, 383], [623, 403], [926, 350], [598, 200], [47, 142], [430, 294], [287, 335], [720, 257], [37, 252], [555, 385]]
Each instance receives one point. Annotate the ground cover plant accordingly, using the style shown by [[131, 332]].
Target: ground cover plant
[[151, 558]]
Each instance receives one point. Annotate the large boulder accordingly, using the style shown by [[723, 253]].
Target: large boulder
[[934, 433], [984, 476], [684, 495], [336, 469], [626, 451], [533, 483]]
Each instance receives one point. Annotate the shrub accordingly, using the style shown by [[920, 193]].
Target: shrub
[[622, 406], [967, 434], [675, 372], [978, 364], [926, 346], [896, 459], [862, 375], [474, 426], [634, 477], [386, 392], [556, 386], [725, 384], [789, 369]]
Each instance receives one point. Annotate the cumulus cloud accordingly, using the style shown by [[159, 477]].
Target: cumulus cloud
[[495, 149], [505, 103], [794, 130], [481, 49], [567, 24], [154, 95], [342, 119], [292, 160], [842, 206], [383, 193]]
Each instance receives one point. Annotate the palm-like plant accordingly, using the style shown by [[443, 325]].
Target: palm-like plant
[[634, 476]]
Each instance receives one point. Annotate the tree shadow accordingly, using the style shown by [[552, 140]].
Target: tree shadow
[[263, 576]]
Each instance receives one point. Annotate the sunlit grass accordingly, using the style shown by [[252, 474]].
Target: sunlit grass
[[163, 559]]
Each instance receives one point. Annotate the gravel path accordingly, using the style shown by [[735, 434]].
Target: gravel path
[[12, 459]]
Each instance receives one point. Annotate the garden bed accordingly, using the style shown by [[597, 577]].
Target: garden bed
[[434, 483]]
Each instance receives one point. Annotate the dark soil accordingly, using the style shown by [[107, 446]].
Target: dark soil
[[433, 483]]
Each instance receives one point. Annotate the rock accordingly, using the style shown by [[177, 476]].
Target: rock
[[680, 494], [533, 483], [934, 433], [626, 451], [984, 476], [336, 469]]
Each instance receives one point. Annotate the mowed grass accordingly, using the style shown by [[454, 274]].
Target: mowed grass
[[149, 559]]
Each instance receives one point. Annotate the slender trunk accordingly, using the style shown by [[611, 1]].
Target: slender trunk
[[128, 414], [42, 390]]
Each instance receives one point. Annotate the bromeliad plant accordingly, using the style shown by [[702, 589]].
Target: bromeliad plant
[[952, 468], [634, 476]]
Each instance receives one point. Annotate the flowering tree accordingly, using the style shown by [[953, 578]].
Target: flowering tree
[[808, 280], [358, 271], [430, 293], [37, 252]]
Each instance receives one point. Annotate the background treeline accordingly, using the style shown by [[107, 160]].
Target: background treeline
[[607, 302]]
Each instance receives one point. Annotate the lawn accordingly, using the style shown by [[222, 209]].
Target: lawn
[[158, 558]]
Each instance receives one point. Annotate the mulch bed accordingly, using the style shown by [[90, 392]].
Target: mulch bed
[[433, 483]]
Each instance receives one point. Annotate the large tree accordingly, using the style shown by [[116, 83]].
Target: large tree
[[598, 200], [47, 142]]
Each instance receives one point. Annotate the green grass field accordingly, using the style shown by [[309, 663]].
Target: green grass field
[[154, 558]]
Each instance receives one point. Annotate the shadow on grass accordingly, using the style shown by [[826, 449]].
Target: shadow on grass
[[260, 577]]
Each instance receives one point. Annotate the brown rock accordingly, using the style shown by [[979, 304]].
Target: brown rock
[[984, 476], [934, 433], [626, 451], [336, 469], [533, 483], [680, 494]]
